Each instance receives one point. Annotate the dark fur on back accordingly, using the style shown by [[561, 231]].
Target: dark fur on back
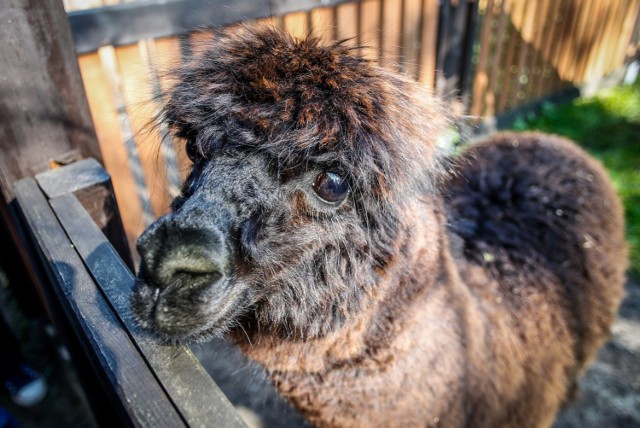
[[468, 298]]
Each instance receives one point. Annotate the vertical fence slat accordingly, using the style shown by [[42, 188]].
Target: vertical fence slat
[[525, 22], [347, 23], [481, 78], [630, 17], [620, 16], [511, 50], [536, 64], [137, 94], [199, 40], [497, 65], [428, 44], [391, 27], [547, 67], [109, 63], [296, 24], [322, 23], [561, 30], [109, 134], [596, 59], [370, 29], [168, 57], [170, 163], [411, 37]]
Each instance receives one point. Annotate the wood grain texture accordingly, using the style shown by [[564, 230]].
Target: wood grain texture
[[370, 25], [119, 365], [138, 97], [44, 113], [191, 389]]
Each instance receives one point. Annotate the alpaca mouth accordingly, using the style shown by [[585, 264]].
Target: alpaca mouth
[[185, 313]]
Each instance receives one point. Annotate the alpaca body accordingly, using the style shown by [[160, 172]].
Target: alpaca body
[[480, 335], [377, 284]]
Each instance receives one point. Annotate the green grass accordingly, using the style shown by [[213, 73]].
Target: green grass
[[608, 126]]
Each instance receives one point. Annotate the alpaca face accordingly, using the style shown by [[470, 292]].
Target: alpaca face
[[246, 240], [302, 157]]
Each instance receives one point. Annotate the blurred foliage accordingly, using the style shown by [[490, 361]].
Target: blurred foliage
[[608, 126]]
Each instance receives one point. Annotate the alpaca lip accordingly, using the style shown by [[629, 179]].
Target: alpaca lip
[[182, 311]]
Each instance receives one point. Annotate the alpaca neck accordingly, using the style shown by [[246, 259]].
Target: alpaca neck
[[412, 273]]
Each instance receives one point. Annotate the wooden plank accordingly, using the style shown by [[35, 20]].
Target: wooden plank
[[191, 389], [43, 110], [125, 24], [138, 95], [169, 161], [110, 137], [481, 79], [497, 64], [271, 21], [514, 38], [596, 64], [549, 32], [391, 33], [536, 63], [466, 50], [129, 23], [168, 58], [109, 62], [91, 184], [323, 24], [347, 24], [429, 42], [560, 29], [581, 42], [297, 24], [126, 374], [370, 24], [525, 23], [568, 40], [199, 40], [411, 36], [632, 15]]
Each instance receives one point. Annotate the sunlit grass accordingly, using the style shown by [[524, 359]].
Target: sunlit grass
[[608, 126]]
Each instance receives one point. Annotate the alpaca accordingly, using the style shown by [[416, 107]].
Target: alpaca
[[378, 282]]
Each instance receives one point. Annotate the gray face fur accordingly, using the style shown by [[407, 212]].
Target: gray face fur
[[247, 243], [251, 243]]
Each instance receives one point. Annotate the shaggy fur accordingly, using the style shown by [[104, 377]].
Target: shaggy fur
[[473, 297]]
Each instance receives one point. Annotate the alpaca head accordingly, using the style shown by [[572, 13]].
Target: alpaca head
[[302, 157]]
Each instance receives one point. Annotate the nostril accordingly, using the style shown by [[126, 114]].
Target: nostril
[[174, 255], [192, 262]]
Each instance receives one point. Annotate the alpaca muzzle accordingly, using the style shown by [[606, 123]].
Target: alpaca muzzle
[[181, 269]]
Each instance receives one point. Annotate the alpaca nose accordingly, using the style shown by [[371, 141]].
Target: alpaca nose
[[179, 256]]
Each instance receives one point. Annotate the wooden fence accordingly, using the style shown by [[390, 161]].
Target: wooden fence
[[521, 50], [147, 165], [530, 49]]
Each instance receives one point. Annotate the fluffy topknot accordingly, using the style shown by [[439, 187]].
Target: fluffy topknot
[[301, 101]]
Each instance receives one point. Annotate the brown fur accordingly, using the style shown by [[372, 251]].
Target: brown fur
[[468, 298]]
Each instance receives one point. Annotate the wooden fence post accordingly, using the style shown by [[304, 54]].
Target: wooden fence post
[[44, 114]]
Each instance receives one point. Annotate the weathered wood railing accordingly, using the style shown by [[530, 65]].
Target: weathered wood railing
[[130, 378]]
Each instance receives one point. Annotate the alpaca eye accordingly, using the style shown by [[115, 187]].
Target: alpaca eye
[[330, 187], [192, 150]]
